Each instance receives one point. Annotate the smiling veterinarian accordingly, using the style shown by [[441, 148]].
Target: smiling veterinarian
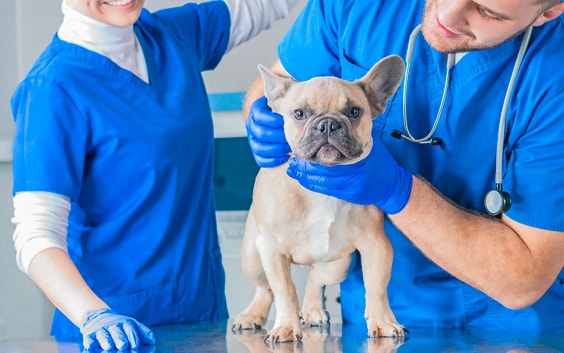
[[114, 134], [454, 265]]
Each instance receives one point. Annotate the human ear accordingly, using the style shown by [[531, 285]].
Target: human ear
[[549, 14]]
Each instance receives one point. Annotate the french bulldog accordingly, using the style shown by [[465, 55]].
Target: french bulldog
[[328, 121]]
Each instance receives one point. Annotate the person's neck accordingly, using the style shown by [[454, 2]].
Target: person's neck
[[119, 44], [93, 34]]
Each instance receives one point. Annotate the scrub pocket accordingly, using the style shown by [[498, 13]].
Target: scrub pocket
[[152, 306], [351, 71]]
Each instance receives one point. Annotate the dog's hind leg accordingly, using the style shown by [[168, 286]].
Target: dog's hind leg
[[256, 314], [320, 275]]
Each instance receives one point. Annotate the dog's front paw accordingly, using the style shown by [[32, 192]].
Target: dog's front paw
[[385, 327], [315, 317], [248, 321], [282, 334]]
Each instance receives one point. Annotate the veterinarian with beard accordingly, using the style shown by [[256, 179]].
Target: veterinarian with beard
[[114, 139], [454, 265]]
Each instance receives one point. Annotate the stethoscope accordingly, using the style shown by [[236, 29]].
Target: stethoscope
[[496, 200]]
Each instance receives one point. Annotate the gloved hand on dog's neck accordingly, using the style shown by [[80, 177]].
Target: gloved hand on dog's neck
[[376, 180]]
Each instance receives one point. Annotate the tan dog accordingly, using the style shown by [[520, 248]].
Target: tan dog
[[328, 121]]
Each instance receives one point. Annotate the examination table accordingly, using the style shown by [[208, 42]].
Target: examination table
[[217, 337]]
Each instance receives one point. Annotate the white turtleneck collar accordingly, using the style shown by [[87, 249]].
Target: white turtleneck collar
[[119, 44]]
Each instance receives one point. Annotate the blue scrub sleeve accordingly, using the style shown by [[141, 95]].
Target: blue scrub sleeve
[[50, 141], [535, 170], [315, 32], [212, 22]]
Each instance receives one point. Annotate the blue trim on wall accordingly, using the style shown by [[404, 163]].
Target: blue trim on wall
[[227, 101]]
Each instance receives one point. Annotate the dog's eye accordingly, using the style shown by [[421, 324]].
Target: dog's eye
[[299, 114], [354, 112]]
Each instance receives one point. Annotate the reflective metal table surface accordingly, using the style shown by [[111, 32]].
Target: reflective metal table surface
[[217, 337]]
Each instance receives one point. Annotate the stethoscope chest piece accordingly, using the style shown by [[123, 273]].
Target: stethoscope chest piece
[[497, 202]]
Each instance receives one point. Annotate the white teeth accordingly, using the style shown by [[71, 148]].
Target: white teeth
[[118, 2]]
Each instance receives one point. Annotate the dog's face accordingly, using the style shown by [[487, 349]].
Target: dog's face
[[328, 120]]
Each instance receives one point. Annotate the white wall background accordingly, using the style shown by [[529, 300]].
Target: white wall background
[[26, 27]]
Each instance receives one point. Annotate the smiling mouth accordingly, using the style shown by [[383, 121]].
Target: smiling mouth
[[118, 2], [442, 30]]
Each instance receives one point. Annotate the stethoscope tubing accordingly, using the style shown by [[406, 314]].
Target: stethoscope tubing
[[408, 58], [503, 116], [502, 198]]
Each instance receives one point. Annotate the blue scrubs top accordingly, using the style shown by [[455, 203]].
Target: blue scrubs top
[[345, 38], [136, 161]]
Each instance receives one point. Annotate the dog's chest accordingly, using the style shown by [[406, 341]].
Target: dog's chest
[[321, 236]]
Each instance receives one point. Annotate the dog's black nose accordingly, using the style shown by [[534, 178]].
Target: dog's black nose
[[329, 125]]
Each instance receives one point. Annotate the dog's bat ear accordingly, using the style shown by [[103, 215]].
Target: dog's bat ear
[[382, 81], [275, 86]]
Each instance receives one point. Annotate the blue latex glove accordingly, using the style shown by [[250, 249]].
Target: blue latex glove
[[376, 180], [109, 330], [265, 132]]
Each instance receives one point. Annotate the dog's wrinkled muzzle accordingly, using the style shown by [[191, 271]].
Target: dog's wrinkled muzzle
[[328, 140]]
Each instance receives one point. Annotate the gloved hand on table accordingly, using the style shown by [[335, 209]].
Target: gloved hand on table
[[265, 132], [378, 179], [109, 330]]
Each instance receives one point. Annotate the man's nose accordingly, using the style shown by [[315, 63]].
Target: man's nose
[[453, 14]]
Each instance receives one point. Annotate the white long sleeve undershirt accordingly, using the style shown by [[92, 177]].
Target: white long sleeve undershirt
[[250, 17], [41, 220]]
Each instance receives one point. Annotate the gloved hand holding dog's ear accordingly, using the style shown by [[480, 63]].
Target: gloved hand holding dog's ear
[[265, 132], [378, 179]]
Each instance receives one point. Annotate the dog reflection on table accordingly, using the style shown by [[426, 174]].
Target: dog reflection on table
[[328, 121], [317, 340]]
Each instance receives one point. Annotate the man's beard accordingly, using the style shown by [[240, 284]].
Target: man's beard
[[437, 42]]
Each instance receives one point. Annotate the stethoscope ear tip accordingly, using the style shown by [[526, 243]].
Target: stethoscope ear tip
[[435, 141], [397, 134]]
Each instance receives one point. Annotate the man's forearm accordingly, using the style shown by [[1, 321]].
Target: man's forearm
[[486, 253]]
